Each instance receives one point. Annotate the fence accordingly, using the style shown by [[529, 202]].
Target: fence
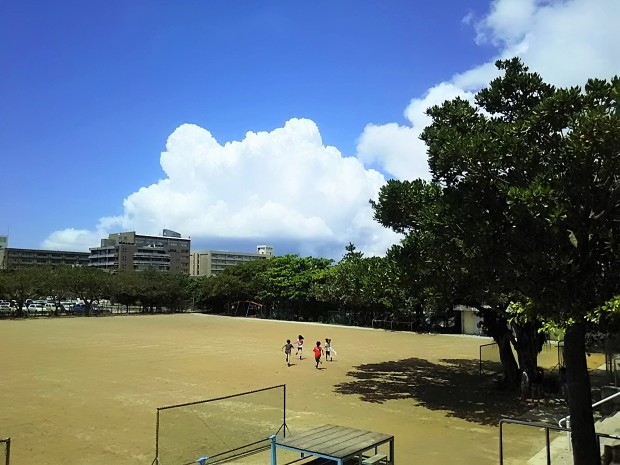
[[393, 325], [612, 368], [119, 309], [540, 443], [5, 450], [220, 429], [490, 363], [560, 354]]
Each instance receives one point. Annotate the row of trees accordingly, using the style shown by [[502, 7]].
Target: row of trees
[[521, 219], [355, 290], [151, 289]]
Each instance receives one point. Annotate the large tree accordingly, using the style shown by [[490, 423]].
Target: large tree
[[439, 269], [21, 284], [532, 174], [234, 283], [87, 283], [287, 282], [362, 288]]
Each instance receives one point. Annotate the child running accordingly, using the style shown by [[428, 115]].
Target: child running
[[300, 346], [328, 349], [288, 348], [317, 353]]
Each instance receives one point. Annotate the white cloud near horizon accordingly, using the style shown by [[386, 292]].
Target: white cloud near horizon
[[285, 185], [566, 41]]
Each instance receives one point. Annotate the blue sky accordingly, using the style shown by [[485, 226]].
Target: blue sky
[[239, 123]]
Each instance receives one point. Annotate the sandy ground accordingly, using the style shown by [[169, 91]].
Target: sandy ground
[[85, 391]]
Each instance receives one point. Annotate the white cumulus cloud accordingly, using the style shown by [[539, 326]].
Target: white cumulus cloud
[[566, 41], [72, 239], [283, 185]]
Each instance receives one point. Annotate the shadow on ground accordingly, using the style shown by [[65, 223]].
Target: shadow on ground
[[453, 386]]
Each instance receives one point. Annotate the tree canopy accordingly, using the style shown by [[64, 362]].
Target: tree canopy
[[524, 202]]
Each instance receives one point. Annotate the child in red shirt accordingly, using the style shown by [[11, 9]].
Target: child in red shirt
[[318, 351]]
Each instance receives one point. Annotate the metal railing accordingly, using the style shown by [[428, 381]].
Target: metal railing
[[547, 427], [566, 419]]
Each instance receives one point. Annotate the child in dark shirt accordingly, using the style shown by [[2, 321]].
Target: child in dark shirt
[[288, 348]]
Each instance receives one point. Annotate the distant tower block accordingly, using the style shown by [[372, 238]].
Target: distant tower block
[[264, 250]]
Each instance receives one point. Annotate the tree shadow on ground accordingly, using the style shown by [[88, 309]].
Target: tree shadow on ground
[[453, 386]]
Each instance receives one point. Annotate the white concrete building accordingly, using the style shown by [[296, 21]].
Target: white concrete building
[[212, 262]]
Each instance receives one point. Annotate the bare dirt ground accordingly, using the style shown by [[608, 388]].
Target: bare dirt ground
[[84, 391]]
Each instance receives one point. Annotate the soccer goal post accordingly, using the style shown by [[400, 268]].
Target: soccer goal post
[[221, 428]]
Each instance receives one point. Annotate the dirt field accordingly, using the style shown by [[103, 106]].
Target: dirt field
[[84, 391]]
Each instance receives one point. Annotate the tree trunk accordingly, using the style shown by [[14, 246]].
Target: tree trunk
[[496, 326], [583, 437], [419, 318], [528, 346], [507, 357], [458, 323], [19, 312]]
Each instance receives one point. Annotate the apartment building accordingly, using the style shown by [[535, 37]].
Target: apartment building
[[20, 258], [212, 262], [131, 251]]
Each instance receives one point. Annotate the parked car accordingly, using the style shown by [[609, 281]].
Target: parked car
[[5, 308], [66, 306], [37, 309], [78, 308]]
